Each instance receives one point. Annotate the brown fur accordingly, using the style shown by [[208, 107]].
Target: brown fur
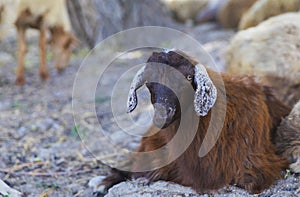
[[62, 44], [243, 155]]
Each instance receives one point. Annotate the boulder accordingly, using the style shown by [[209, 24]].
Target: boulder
[[264, 9], [270, 51], [231, 12], [5, 190], [142, 187], [185, 10], [288, 138], [227, 12], [94, 20]]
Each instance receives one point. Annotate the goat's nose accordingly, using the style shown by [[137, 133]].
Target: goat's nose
[[162, 115], [160, 111], [170, 112]]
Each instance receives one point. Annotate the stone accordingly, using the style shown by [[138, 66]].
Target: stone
[[270, 51], [227, 12], [140, 187], [230, 14], [264, 9], [5, 190], [185, 10]]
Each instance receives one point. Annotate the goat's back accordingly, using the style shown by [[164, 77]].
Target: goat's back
[[54, 12]]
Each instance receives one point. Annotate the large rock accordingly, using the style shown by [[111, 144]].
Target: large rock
[[271, 51], [230, 14], [288, 138], [227, 12], [141, 187], [5, 190], [95, 20], [185, 10], [264, 9]]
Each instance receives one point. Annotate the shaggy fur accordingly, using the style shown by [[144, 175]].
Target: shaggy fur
[[243, 155]]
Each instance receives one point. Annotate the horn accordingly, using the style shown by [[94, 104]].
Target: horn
[[137, 82], [206, 91]]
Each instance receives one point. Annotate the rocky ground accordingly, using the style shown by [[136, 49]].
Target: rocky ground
[[45, 153]]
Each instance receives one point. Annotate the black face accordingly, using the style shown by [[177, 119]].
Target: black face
[[165, 103], [167, 76]]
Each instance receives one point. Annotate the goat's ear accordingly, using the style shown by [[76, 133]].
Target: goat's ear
[[136, 83], [75, 41], [71, 42], [206, 92]]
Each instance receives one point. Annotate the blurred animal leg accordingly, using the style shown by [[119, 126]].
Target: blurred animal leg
[[44, 74], [22, 50]]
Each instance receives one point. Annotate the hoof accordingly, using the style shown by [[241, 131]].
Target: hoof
[[20, 80], [60, 69], [44, 75], [99, 194], [99, 189]]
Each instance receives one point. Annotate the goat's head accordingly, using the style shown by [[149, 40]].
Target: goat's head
[[62, 44], [165, 101]]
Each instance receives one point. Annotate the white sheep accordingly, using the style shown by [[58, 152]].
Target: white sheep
[[44, 16]]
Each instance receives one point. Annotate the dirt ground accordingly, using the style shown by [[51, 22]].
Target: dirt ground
[[41, 153], [39, 144]]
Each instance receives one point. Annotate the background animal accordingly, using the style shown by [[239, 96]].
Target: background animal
[[243, 155], [288, 138], [45, 16]]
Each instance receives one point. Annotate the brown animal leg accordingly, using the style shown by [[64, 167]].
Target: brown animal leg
[[116, 176], [261, 171], [22, 49], [44, 74]]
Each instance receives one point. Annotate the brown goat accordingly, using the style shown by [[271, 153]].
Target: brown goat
[[243, 155], [44, 15]]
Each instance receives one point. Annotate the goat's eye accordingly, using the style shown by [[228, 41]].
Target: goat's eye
[[189, 77]]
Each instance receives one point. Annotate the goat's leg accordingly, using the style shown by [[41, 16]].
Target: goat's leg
[[261, 172], [44, 73], [116, 176], [22, 50]]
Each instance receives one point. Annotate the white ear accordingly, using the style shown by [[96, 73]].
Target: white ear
[[136, 83], [206, 92]]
